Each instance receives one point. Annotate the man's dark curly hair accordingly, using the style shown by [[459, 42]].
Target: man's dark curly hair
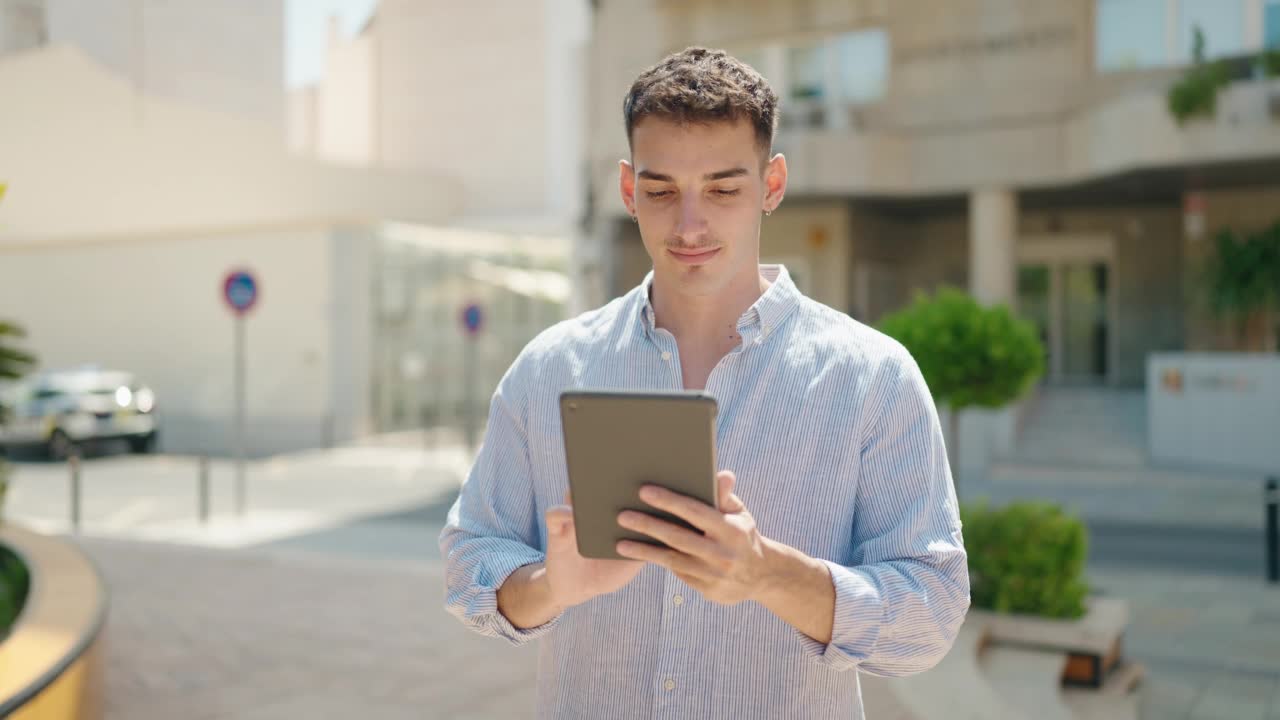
[[698, 85]]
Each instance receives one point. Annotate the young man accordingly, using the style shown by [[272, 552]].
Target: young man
[[837, 546]]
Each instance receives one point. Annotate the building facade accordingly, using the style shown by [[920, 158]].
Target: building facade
[[1021, 149], [224, 56]]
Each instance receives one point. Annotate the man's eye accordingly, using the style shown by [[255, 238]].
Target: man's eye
[[658, 194], [725, 193]]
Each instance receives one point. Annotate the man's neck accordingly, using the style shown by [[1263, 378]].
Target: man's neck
[[705, 322]]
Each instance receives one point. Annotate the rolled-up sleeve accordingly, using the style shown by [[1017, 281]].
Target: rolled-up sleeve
[[900, 603], [493, 528]]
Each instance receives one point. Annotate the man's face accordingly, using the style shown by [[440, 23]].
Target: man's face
[[697, 191]]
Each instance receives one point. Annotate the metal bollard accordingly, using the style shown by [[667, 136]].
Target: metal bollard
[[202, 497], [1272, 505], [73, 463]]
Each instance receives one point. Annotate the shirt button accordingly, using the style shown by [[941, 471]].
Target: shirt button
[[669, 685], [679, 599], [666, 355]]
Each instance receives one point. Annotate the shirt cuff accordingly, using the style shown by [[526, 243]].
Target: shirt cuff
[[481, 610], [855, 629]]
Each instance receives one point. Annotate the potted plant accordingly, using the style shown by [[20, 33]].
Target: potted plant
[[13, 364], [970, 355], [1241, 278], [1026, 570]]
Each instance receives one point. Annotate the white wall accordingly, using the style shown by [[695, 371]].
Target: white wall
[[456, 77], [22, 25], [345, 103], [1214, 410], [155, 308], [226, 55], [87, 168]]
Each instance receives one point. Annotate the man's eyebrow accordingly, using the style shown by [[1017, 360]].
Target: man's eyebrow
[[651, 175], [725, 174], [718, 175]]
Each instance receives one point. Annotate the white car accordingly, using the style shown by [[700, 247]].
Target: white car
[[59, 411]]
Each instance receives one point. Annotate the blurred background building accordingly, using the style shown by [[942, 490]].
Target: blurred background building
[[1022, 150], [173, 49], [368, 240]]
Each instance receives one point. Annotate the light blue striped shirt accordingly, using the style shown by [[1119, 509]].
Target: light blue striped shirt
[[835, 441]]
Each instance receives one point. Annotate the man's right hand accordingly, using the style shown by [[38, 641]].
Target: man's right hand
[[535, 594], [574, 579]]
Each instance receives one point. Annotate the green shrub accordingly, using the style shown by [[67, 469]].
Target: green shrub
[[1242, 274], [970, 355], [14, 583], [1026, 558], [1271, 63], [1196, 93]]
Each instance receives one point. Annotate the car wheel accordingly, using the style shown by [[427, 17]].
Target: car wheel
[[61, 446], [143, 444]]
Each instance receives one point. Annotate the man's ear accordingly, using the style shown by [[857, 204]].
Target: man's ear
[[627, 185], [775, 182]]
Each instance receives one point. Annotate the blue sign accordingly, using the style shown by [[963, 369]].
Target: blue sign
[[241, 291], [472, 318]]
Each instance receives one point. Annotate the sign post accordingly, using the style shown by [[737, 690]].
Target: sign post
[[472, 322], [240, 290]]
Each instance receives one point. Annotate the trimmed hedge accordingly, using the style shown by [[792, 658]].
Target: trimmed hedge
[[1026, 558]]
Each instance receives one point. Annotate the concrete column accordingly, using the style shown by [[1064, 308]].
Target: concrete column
[[1254, 19], [993, 228], [993, 223]]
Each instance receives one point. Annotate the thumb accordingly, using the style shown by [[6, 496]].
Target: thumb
[[559, 521], [725, 499]]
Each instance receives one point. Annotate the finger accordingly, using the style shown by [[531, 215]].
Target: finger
[[725, 480], [679, 538], [733, 504], [695, 512], [676, 562], [559, 520]]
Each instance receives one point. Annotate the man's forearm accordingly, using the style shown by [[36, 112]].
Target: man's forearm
[[800, 591], [525, 598]]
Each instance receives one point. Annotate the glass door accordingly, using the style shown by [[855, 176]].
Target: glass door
[[1068, 303]]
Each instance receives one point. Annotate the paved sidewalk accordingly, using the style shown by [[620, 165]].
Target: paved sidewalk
[[206, 634], [1211, 644], [156, 497]]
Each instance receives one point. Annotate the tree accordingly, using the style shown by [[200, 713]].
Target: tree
[[1241, 277], [13, 364], [970, 355]]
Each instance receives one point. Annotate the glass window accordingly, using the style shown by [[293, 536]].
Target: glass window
[[1131, 34], [806, 68], [1222, 22], [863, 58], [1271, 24]]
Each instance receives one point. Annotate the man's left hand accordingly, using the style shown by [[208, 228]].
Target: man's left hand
[[728, 563]]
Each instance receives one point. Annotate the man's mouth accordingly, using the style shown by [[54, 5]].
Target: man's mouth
[[694, 256]]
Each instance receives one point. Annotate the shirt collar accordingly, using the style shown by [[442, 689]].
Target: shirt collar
[[760, 320]]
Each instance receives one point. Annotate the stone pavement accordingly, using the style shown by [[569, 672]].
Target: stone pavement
[[1211, 644], [339, 614], [209, 634], [214, 634]]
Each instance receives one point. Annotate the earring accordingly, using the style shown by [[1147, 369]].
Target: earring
[[767, 213], [635, 219]]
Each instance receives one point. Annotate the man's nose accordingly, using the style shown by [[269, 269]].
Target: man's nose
[[692, 226]]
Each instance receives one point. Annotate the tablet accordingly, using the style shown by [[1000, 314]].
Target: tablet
[[615, 442]]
